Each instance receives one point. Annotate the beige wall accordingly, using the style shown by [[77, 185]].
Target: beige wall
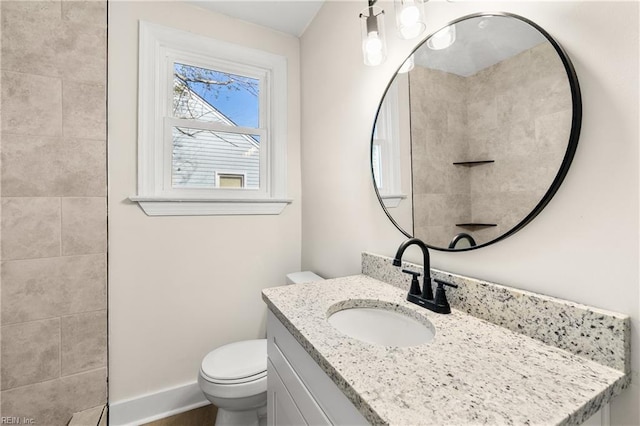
[[54, 235], [582, 247], [181, 286]]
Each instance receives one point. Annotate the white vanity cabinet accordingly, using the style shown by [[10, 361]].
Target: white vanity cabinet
[[521, 379], [298, 391]]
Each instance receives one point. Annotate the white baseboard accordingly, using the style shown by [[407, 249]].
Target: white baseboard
[[155, 406]]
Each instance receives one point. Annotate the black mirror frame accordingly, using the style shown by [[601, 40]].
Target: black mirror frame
[[574, 136]]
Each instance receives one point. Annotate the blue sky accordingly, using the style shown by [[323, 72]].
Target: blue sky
[[234, 100]]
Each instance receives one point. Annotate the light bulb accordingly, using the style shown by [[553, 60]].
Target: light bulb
[[408, 65], [374, 48], [374, 58], [410, 18], [409, 15], [442, 39], [373, 44]]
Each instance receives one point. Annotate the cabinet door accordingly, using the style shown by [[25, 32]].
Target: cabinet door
[[317, 397], [282, 409]]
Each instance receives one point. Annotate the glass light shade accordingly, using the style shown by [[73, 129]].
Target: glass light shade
[[443, 38], [408, 65], [374, 46], [410, 18]]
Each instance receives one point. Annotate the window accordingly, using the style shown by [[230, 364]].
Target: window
[[387, 144], [212, 126]]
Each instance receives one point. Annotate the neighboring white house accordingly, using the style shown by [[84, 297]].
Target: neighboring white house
[[210, 159]]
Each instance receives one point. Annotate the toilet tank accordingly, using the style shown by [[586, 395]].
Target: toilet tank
[[302, 277]]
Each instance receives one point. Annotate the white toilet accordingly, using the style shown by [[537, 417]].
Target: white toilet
[[234, 376]]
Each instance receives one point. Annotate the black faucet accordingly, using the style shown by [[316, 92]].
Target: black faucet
[[462, 236], [426, 300], [427, 292]]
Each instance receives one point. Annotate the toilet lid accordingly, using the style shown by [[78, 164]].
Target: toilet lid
[[237, 360]]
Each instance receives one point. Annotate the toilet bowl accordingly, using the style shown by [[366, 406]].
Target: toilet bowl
[[234, 376]]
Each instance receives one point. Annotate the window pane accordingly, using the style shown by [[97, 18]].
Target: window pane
[[210, 95], [231, 181], [200, 155]]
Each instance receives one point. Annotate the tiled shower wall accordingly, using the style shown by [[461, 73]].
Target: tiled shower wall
[[53, 217], [507, 113], [438, 139]]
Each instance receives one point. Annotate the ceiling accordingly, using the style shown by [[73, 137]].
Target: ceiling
[[287, 16], [480, 43]]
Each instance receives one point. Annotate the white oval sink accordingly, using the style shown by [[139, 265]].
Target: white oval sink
[[381, 326]]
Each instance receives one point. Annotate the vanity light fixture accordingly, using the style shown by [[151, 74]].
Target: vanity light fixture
[[410, 18], [407, 65], [374, 46], [443, 38]]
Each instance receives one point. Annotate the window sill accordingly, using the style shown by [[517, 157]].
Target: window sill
[[392, 201], [166, 206]]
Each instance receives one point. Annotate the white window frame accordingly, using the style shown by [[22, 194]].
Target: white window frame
[[160, 47], [387, 140]]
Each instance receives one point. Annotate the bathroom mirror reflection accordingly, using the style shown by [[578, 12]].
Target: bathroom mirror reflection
[[472, 142]]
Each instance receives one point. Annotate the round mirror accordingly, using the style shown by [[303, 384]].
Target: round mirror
[[475, 132]]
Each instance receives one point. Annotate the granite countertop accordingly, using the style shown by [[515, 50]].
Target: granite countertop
[[473, 372]]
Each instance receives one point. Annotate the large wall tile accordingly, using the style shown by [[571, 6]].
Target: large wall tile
[[31, 12], [84, 225], [53, 403], [43, 166], [482, 115], [84, 111], [39, 402], [54, 48], [552, 132], [56, 39], [30, 353], [30, 228], [28, 44], [84, 342], [84, 390], [31, 104], [82, 55], [89, 13], [44, 288]]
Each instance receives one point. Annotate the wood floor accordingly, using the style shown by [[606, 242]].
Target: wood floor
[[204, 416]]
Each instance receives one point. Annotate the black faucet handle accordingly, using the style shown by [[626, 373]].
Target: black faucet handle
[[415, 285], [441, 283], [415, 274], [441, 297]]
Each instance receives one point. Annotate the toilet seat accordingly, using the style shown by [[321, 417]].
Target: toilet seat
[[236, 363], [234, 382]]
